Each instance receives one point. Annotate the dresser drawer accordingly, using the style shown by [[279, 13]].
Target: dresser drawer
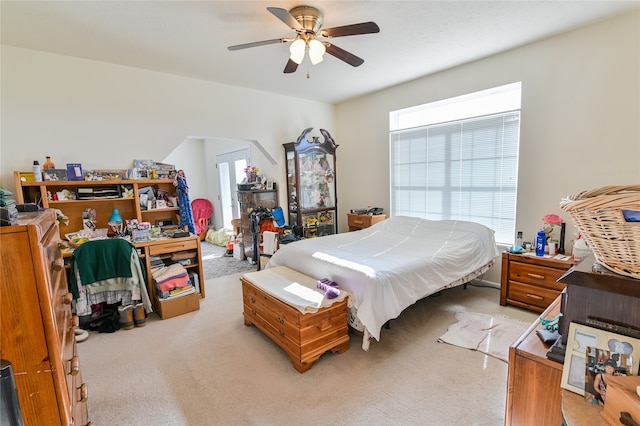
[[361, 221], [531, 295], [281, 337], [272, 312], [537, 275], [170, 247]]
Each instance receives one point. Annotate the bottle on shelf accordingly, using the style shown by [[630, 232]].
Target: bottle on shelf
[[541, 240], [37, 172], [48, 164]]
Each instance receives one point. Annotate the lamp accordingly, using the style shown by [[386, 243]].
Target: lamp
[[316, 51], [116, 223], [297, 49], [299, 46]]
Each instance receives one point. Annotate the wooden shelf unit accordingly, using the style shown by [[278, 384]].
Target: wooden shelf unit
[[250, 200], [129, 207]]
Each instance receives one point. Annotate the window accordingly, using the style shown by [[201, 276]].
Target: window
[[458, 159]]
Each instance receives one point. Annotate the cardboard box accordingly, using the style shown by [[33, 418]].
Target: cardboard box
[[180, 305]]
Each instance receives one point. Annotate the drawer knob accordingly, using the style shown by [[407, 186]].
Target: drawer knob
[[253, 299], [281, 333], [75, 322], [84, 393], [75, 365], [253, 311], [281, 320], [536, 276], [67, 299]]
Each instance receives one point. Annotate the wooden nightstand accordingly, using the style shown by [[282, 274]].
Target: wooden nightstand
[[530, 282], [361, 221]]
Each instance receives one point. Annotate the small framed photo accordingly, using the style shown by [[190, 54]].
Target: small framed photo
[[74, 171], [51, 175], [591, 351], [269, 185]]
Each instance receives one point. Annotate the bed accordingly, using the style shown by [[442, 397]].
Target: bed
[[392, 264]]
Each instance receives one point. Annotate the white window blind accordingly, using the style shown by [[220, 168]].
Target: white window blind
[[465, 169]]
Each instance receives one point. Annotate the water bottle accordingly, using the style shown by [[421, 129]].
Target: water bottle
[[541, 240], [37, 172]]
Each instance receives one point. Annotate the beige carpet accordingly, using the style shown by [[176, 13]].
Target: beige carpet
[[208, 368], [489, 334]]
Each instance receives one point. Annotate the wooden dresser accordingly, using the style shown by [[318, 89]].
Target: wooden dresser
[[533, 383], [37, 334], [361, 221], [530, 281]]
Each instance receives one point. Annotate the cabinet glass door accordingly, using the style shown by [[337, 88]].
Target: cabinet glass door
[[291, 188], [316, 180]]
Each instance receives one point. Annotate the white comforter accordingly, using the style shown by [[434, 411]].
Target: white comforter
[[394, 263]]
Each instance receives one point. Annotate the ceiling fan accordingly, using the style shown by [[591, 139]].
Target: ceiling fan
[[307, 21]]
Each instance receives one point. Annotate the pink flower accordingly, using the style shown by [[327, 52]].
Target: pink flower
[[552, 219]]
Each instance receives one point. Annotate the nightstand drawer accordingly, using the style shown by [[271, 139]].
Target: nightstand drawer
[[537, 275], [361, 221], [530, 295]]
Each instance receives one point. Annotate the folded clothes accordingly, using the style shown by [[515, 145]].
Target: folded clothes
[[172, 283], [168, 272]]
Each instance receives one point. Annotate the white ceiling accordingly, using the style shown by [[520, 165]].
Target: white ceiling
[[190, 38]]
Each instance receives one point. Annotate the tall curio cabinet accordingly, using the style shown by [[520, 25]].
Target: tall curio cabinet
[[311, 184]]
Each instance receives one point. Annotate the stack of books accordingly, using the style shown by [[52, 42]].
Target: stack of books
[[177, 292]]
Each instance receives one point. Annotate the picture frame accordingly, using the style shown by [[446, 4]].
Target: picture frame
[[74, 171], [269, 185], [52, 175], [588, 348], [108, 174]]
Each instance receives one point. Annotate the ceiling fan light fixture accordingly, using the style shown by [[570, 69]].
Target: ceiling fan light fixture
[[316, 51], [297, 50]]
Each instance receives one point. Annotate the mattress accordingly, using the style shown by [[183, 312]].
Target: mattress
[[394, 263]]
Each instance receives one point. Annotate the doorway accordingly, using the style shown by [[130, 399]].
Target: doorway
[[230, 168]]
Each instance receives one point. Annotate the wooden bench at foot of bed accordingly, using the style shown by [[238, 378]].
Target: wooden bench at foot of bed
[[303, 336]]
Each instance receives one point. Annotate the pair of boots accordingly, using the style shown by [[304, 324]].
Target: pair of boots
[[131, 315]]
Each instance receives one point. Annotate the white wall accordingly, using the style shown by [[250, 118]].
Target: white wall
[[579, 127], [104, 116]]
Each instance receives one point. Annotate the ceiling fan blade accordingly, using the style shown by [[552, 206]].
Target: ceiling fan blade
[[343, 55], [348, 30], [286, 17], [259, 43], [290, 67]]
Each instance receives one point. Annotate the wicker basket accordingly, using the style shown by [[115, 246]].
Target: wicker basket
[[598, 215]]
